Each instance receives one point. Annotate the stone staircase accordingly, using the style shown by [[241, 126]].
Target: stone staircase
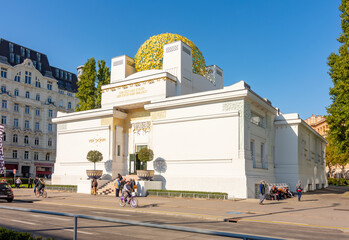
[[109, 188]]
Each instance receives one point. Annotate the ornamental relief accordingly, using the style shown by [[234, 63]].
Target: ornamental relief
[[141, 127]]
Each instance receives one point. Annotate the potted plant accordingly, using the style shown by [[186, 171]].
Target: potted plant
[[94, 156], [145, 155]]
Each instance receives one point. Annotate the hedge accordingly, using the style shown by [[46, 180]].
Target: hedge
[[338, 182], [7, 234], [187, 194]]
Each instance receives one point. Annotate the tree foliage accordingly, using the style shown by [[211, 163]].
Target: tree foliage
[[86, 86], [338, 111], [145, 154], [103, 78], [90, 84], [94, 156]]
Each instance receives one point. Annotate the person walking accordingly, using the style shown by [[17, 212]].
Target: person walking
[[299, 188], [117, 187], [94, 186], [30, 182], [261, 193], [18, 182]]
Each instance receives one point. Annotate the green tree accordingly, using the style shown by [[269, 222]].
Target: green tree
[[86, 86], [94, 156], [338, 111], [103, 78]]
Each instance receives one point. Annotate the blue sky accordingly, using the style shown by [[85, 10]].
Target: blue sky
[[279, 48]]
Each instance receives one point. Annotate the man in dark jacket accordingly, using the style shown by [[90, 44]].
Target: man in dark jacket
[[30, 182], [36, 182], [261, 192]]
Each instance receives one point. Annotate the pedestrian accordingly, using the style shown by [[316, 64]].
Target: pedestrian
[[117, 187], [30, 182], [261, 193], [36, 182], [18, 182], [94, 186], [119, 177], [299, 188]]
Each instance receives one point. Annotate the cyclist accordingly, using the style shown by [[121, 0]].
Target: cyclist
[[126, 191], [41, 185]]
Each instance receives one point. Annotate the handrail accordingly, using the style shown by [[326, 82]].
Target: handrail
[[143, 224]]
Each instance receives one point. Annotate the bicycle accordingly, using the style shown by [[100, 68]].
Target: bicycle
[[41, 193], [132, 201]]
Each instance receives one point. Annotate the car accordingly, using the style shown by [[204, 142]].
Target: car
[[6, 192]]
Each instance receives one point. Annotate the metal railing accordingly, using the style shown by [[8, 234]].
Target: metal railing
[[142, 224]]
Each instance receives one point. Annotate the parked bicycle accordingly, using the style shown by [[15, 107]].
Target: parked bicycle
[[41, 193], [131, 200]]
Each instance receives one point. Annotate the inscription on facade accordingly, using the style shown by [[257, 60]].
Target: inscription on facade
[[131, 92], [97, 140]]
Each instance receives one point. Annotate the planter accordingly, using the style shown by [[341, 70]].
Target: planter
[[94, 174], [145, 174]]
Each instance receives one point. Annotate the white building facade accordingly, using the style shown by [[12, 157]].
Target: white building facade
[[31, 93], [205, 137]]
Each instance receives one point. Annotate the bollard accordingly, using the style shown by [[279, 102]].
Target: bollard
[[75, 228]]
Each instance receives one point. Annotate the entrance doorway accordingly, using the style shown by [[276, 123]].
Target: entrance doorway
[[25, 171], [135, 163]]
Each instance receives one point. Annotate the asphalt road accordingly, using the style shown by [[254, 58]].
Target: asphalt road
[[62, 227]]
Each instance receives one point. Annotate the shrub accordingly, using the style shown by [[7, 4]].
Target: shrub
[[94, 156], [14, 235]]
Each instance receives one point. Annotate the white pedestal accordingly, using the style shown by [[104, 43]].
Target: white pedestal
[[84, 186], [143, 186]]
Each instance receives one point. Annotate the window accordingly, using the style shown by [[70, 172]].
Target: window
[[28, 77], [26, 124], [37, 112], [57, 73], [12, 57], [36, 156], [39, 66], [16, 92], [69, 105], [3, 72], [26, 140], [34, 63], [18, 77], [37, 126], [15, 138], [28, 53], [49, 142], [14, 154], [49, 100], [38, 57], [61, 73], [4, 104], [26, 155], [15, 107], [253, 157], [256, 119], [37, 84], [47, 157], [70, 78], [4, 137], [50, 127], [27, 94], [3, 120], [15, 122], [49, 85], [18, 59], [65, 75], [264, 164], [22, 51], [10, 46], [69, 94], [27, 109], [37, 97], [119, 150], [61, 103], [36, 141], [50, 113], [3, 88]]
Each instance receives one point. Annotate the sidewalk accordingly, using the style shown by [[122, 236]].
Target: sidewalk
[[323, 208]]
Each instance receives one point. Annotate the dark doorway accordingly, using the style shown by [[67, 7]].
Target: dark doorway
[[25, 171]]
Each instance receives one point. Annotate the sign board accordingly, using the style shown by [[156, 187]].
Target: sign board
[[2, 162]]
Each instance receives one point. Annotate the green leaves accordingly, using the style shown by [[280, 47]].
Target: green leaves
[[145, 154], [338, 111], [88, 94], [94, 156]]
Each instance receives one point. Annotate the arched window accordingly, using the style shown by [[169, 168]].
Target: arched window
[[26, 140], [69, 105], [15, 138], [36, 140]]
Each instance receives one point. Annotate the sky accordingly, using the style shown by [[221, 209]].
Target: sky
[[279, 48]]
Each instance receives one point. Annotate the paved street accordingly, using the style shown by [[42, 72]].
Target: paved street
[[321, 215]]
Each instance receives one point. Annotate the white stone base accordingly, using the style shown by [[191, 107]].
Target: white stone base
[[143, 186], [84, 186]]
